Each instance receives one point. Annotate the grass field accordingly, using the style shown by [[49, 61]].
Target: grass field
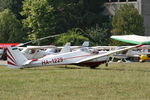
[[130, 81]]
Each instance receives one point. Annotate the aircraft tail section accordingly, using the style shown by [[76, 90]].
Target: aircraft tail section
[[15, 58], [85, 44], [66, 48]]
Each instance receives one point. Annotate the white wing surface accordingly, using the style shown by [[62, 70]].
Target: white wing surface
[[107, 53]]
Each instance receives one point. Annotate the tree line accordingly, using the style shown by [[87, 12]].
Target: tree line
[[75, 20]]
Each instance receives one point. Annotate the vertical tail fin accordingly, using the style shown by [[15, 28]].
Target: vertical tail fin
[[85, 44], [15, 58], [66, 48]]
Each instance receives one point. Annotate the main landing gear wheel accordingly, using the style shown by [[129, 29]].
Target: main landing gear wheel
[[141, 61], [106, 64]]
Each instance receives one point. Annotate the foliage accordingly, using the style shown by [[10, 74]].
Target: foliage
[[42, 18], [74, 36], [80, 13], [39, 19], [98, 35], [14, 5], [10, 27], [127, 21], [92, 12]]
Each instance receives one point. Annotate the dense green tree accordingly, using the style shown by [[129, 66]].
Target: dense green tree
[[46, 17], [127, 21], [95, 35], [79, 13], [10, 27], [14, 5], [92, 12], [39, 18], [98, 35]]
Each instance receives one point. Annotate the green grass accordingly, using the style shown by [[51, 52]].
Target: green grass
[[129, 81]]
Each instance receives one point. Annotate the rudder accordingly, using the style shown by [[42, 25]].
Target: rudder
[[15, 59]]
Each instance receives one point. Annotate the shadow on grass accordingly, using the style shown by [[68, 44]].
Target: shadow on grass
[[66, 67], [52, 68], [84, 68], [122, 69]]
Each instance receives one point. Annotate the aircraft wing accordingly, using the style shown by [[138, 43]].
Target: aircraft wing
[[72, 47], [108, 53], [133, 39], [38, 47]]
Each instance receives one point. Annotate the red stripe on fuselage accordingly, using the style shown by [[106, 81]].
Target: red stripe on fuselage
[[34, 60], [63, 58], [77, 57], [139, 46]]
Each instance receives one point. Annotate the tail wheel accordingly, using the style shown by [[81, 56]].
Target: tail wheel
[[4, 56]]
